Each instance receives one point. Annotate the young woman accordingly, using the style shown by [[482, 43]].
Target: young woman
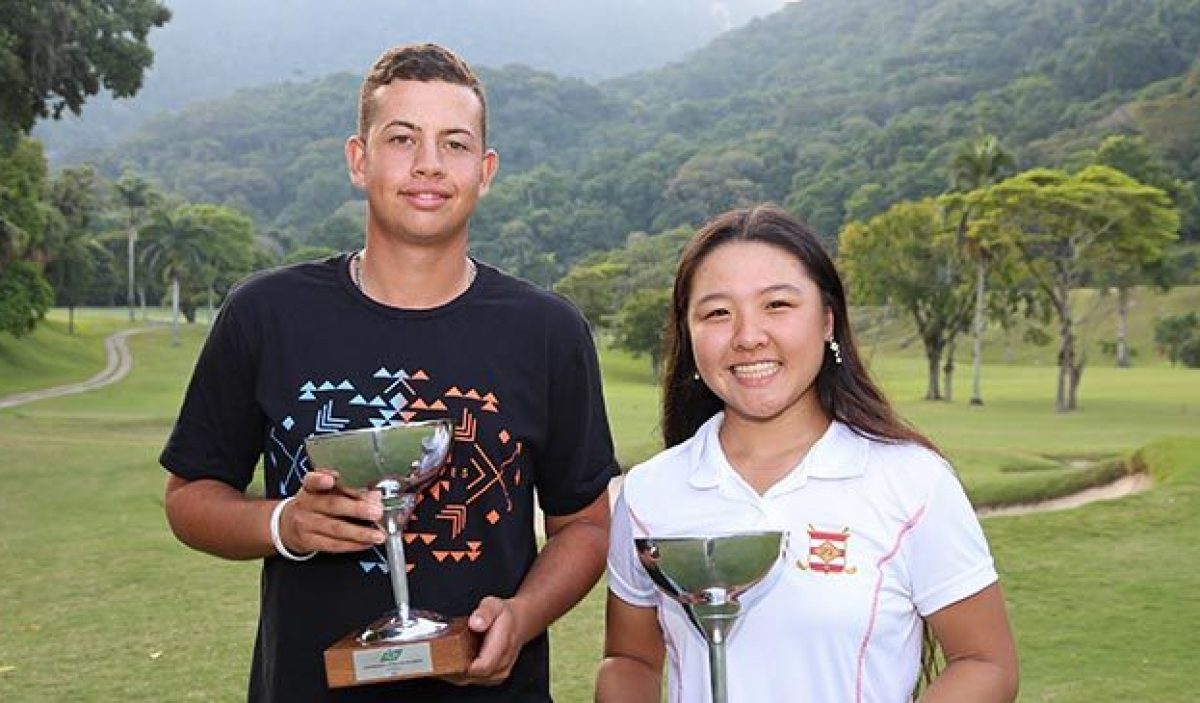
[[771, 422]]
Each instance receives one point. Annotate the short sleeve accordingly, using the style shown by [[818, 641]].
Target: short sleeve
[[219, 432], [627, 579], [578, 460], [947, 553]]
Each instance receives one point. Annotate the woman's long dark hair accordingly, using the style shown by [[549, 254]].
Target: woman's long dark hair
[[846, 391]]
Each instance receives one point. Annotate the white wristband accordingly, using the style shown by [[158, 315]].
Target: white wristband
[[283, 551]]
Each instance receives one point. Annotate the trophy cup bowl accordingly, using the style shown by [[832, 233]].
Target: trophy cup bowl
[[708, 576], [398, 460]]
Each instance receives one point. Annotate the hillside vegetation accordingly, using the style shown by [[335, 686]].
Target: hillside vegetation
[[834, 108]]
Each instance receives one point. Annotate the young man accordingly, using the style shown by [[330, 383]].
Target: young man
[[408, 326]]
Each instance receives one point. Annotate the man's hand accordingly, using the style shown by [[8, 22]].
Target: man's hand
[[326, 517], [566, 568], [496, 619]]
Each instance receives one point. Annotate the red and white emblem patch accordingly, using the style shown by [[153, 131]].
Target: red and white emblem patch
[[827, 551]]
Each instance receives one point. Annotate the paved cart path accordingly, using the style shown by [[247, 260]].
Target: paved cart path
[[119, 362]]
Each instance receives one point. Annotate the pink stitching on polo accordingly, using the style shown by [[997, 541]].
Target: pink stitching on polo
[[862, 649]]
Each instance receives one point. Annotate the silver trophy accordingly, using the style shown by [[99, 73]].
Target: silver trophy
[[708, 575], [399, 461]]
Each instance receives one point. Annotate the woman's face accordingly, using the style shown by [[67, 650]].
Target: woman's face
[[758, 328]]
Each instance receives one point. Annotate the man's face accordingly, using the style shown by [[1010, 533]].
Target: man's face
[[422, 162]]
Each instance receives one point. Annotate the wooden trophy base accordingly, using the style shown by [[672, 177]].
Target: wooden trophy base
[[352, 663]]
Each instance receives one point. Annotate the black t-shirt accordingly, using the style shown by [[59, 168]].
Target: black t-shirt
[[300, 351]]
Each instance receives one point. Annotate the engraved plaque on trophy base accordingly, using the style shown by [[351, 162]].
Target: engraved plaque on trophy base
[[350, 662]]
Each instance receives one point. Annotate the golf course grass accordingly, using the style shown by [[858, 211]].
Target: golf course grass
[[101, 603]]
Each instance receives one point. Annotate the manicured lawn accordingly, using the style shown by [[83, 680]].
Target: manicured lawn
[[101, 603], [1105, 599]]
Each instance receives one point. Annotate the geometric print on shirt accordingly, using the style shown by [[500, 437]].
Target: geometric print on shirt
[[473, 492]]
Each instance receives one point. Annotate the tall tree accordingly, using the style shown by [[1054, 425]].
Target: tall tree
[[1066, 227], [638, 327], [175, 248], [229, 253], [73, 249], [902, 255], [134, 194], [54, 54], [592, 287], [24, 294], [22, 216], [1173, 333], [1135, 157], [977, 165]]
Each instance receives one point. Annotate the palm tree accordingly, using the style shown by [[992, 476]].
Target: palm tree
[[176, 249], [135, 194], [72, 248], [977, 164]]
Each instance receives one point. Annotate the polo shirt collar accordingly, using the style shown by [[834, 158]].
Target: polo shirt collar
[[839, 453]]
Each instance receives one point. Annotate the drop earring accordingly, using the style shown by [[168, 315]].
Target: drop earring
[[836, 349]]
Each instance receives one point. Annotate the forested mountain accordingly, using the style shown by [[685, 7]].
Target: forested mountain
[[213, 47], [835, 108], [868, 97]]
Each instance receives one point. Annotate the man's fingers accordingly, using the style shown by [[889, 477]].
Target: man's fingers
[[330, 521], [337, 504], [485, 614], [320, 480], [499, 648]]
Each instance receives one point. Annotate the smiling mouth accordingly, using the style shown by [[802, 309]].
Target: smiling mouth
[[425, 197], [757, 370]]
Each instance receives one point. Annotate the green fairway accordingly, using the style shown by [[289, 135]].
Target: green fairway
[[1105, 599], [102, 603]]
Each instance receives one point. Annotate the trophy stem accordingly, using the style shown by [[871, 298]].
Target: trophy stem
[[396, 568], [397, 508], [716, 669]]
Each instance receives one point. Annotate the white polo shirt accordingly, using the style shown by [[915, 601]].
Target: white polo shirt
[[878, 535]]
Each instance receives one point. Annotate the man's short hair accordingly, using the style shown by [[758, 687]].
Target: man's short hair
[[417, 62]]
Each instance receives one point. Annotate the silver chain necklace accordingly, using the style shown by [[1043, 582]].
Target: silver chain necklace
[[357, 279]]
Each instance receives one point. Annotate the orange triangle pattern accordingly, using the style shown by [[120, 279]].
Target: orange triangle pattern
[[453, 392], [420, 376], [407, 415], [438, 405]]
